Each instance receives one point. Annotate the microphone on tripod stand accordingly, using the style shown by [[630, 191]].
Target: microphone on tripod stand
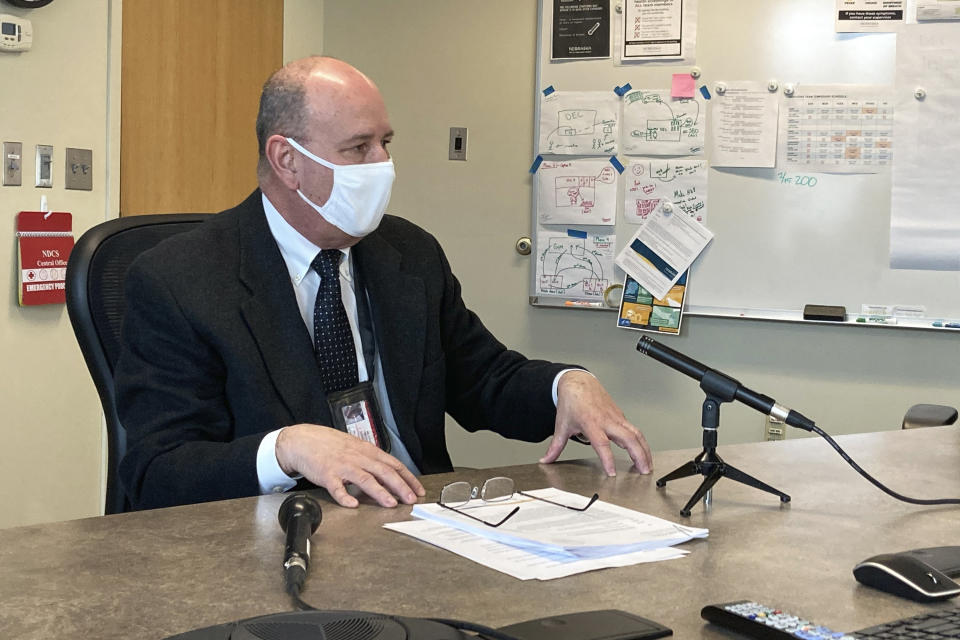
[[299, 516], [688, 366]]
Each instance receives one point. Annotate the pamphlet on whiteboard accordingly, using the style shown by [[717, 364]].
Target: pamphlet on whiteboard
[[662, 249], [870, 16], [938, 9], [640, 310], [581, 30]]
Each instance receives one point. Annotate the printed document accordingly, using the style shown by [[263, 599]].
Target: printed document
[[869, 16], [744, 126], [603, 530], [662, 249], [837, 129], [652, 29], [938, 10], [523, 564]]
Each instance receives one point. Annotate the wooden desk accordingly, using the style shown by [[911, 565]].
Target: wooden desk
[[156, 573]]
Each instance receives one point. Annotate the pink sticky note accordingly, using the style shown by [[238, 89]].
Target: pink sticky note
[[683, 86]]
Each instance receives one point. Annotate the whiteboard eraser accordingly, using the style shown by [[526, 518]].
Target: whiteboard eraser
[[824, 312]]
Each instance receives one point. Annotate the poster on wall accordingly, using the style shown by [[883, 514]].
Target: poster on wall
[[581, 29], [652, 29], [869, 16]]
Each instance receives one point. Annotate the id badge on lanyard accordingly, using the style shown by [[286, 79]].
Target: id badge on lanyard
[[356, 410]]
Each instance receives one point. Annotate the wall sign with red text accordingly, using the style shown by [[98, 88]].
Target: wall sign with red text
[[44, 242]]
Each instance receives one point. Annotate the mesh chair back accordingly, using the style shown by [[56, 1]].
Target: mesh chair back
[[94, 290]]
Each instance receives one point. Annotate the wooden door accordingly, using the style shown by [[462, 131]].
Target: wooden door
[[191, 77]]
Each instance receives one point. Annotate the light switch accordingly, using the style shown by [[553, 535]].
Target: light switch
[[12, 164], [78, 169], [458, 143], [45, 165]]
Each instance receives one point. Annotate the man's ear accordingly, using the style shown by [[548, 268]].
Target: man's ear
[[280, 155]]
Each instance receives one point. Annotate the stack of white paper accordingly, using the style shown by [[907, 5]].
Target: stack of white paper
[[546, 541]]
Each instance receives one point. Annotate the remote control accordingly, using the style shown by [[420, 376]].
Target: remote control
[[755, 620]]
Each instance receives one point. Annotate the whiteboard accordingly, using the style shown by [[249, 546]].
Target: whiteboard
[[778, 245]]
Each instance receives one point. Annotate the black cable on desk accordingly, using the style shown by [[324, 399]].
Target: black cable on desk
[[294, 577], [890, 492]]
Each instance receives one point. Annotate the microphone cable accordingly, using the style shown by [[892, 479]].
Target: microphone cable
[[293, 579], [890, 492]]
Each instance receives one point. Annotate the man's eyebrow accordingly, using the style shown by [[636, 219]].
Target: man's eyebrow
[[360, 137]]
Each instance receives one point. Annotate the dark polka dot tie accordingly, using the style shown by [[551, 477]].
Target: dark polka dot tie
[[332, 338]]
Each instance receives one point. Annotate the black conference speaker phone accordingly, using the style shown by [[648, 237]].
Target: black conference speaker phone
[[300, 516]]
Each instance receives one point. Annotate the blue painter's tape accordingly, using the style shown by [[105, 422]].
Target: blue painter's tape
[[625, 88], [616, 164], [536, 164], [705, 92], [574, 233], [548, 90]]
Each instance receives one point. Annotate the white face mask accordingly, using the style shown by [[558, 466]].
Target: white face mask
[[359, 196]]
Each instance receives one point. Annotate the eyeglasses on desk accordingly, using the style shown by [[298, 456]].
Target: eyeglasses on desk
[[500, 489]]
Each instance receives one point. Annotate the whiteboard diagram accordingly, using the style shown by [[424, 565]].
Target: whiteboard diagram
[[574, 267], [650, 181], [577, 192], [657, 125], [581, 123]]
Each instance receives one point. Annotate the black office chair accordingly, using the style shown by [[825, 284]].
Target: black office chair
[[94, 289], [929, 415]]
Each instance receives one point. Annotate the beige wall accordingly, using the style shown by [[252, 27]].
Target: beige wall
[[57, 93]]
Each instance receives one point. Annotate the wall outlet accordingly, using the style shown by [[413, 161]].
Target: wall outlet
[[773, 429]]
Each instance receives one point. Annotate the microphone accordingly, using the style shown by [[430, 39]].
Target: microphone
[[299, 516], [723, 386]]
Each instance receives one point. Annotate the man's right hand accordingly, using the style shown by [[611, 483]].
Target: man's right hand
[[330, 458]]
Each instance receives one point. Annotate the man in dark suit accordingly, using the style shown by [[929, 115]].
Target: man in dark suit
[[242, 337]]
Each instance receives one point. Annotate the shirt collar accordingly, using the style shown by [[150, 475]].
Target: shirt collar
[[297, 251]]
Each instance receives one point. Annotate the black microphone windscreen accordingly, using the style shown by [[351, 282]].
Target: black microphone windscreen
[[300, 504]]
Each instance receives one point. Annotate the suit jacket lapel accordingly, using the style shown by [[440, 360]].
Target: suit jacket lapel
[[397, 301], [274, 320]]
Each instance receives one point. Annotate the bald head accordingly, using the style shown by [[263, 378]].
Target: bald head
[[306, 93]]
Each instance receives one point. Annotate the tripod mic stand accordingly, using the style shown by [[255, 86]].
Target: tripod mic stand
[[718, 389]]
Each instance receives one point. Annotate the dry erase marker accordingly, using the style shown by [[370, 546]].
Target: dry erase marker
[[948, 325], [877, 320], [582, 303]]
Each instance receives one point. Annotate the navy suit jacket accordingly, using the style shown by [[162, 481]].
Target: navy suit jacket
[[215, 355]]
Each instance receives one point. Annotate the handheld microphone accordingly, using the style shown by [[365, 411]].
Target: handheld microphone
[[299, 516], [730, 389]]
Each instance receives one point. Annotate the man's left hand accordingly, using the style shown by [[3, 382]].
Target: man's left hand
[[584, 407]]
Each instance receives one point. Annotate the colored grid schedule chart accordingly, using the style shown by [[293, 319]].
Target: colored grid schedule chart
[[838, 133]]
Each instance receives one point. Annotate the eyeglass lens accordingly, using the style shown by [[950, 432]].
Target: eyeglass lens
[[457, 494]]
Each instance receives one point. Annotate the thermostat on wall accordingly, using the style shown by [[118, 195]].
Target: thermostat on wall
[[16, 34]]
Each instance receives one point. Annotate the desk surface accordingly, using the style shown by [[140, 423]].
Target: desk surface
[[156, 573]]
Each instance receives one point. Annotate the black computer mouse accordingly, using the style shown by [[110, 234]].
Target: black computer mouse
[[907, 576]]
